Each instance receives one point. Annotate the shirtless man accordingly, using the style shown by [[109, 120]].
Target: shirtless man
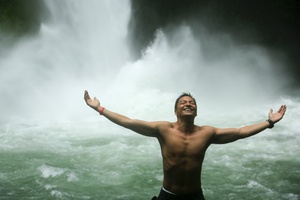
[[183, 144]]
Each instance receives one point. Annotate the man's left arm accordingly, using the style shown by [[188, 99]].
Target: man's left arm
[[226, 135]]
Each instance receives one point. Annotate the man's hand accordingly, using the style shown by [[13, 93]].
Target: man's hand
[[95, 104], [277, 116]]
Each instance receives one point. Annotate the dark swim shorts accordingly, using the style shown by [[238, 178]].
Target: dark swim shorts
[[163, 195]]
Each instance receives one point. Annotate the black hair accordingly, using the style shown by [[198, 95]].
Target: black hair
[[183, 95]]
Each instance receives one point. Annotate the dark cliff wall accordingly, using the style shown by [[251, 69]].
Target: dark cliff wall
[[270, 23], [19, 18]]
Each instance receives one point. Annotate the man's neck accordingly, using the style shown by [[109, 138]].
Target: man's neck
[[186, 125]]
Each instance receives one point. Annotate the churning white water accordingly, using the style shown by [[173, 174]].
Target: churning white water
[[53, 146]]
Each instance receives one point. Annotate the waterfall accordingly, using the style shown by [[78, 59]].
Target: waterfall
[[85, 46], [54, 146]]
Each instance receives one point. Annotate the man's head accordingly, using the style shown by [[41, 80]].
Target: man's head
[[186, 104]]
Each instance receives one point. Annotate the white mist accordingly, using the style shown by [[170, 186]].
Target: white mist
[[53, 145]]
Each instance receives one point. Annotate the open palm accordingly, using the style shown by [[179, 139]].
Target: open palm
[[93, 103], [277, 116]]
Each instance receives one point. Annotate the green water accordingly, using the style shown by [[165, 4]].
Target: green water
[[69, 161], [52, 146]]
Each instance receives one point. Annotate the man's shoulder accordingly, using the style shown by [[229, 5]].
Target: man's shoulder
[[208, 129], [165, 123]]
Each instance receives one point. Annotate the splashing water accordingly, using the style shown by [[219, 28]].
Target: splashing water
[[54, 147]]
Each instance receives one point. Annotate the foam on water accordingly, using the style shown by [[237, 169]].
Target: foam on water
[[104, 161], [53, 146]]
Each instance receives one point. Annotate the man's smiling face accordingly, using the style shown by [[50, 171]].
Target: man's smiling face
[[186, 106]]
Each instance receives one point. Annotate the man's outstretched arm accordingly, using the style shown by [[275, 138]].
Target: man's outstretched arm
[[139, 126], [227, 135]]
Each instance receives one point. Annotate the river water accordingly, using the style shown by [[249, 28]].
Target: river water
[[52, 146]]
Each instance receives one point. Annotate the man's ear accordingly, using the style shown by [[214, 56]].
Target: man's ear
[[175, 112]]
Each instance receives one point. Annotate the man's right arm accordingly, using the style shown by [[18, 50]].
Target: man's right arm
[[150, 129], [142, 127]]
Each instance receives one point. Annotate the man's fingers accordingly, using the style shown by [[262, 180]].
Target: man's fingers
[[282, 109], [270, 113], [86, 95]]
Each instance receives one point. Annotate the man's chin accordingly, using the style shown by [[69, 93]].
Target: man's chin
[[189, 114]]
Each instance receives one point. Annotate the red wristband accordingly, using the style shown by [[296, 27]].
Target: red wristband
[[101, 110]]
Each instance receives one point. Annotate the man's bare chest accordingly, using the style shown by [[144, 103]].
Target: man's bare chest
[[177, 143]]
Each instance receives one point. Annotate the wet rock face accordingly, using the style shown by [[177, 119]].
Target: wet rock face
[[271, 23], [272, 20], [20, 17]]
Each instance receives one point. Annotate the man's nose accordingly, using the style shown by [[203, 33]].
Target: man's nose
[[188, 104]]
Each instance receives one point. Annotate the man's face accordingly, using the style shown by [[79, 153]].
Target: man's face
[[186, 106]]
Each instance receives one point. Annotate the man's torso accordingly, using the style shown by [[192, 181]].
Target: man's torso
[[183, 156]]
